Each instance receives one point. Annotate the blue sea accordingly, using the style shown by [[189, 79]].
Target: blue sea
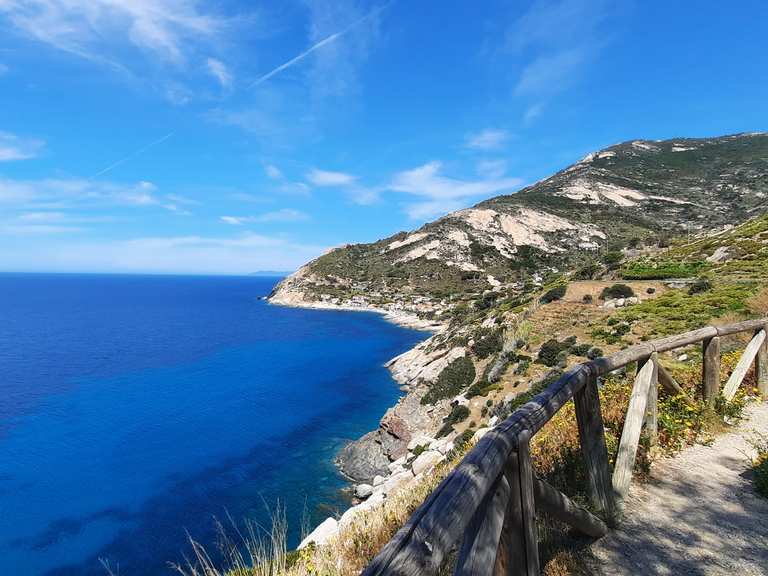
[[136, 409]]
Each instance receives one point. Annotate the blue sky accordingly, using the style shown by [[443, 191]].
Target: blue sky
[[229, 137]]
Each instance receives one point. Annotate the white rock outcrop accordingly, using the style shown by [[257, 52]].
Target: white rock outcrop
[[426, 461], [327, 529]]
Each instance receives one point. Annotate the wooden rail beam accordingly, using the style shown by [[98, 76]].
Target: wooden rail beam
[[669, 383], [742, 366], [710, 370], [553, 502]]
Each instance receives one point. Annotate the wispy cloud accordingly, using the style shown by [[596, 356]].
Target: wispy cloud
[[59, 193], [3, 69], [559, 38], [220, 72], [330, 178], [273, 172], [283, 215], [488, 139], [349, 183], [164, 28], [13, 147], [492, 168], [443, 194], [551, 73]]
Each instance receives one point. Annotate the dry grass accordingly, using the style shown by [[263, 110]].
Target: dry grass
[[259, 552], [758, 303]]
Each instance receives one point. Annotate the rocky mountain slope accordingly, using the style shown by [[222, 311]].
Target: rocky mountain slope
[[637, 192], [657, 215]]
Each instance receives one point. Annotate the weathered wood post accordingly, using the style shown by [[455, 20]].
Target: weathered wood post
[[592, 438], [710, 375], [510, 557], [529, 504], [630, 435], [652, 408], [479, 548], [761, 368]]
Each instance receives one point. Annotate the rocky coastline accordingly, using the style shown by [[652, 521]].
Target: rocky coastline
[[403, 447]]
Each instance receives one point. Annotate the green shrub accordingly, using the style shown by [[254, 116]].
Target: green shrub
[[459, 413], [587, 299], [594, 353], [760, 465], [651, 270], [581, 349], [612, 259], [617, 291], [650, 290], [588, 271], [550, 350], [487, 341], [452, 380], [700, 285], [553, 294]]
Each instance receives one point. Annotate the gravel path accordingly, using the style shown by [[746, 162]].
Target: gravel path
[[698, 516]]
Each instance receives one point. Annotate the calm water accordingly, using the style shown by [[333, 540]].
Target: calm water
[[135, 408]]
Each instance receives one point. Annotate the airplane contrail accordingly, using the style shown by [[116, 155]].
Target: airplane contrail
[[131, 155], [320, 44]]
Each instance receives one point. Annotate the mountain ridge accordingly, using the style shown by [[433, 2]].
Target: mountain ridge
[[633, 193]]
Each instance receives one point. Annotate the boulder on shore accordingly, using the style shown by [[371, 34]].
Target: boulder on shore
[[320, 535]]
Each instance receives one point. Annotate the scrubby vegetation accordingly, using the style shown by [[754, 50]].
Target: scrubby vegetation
[[553, 294], [454, 378], [617, 291], [760, 465], [660, 270]]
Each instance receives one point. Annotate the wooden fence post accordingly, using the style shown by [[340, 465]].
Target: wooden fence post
[[529, 504], [510, 556], [710, 376], [761, 368], [651, 408], [592, 438], [630, 435], [479, 549]]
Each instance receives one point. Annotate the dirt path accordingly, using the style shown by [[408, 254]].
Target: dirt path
[[699, 516]]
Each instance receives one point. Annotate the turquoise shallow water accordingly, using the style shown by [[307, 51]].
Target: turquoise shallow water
[[134, 409]]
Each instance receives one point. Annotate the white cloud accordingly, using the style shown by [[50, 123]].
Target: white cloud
[[551, 73], [13, 147], [164, 28], [219, 70], [559, 37], [283, 215], [273, 172], [335, 68], [295, 188], [69, 193], [488, 139], [329, 178], [443, 194], [241, 254], [492, 168], [532, 113]]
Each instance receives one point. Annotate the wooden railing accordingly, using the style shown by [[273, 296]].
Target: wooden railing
[[486, 507]]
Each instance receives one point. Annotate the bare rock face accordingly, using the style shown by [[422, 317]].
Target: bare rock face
[[367, 457]]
